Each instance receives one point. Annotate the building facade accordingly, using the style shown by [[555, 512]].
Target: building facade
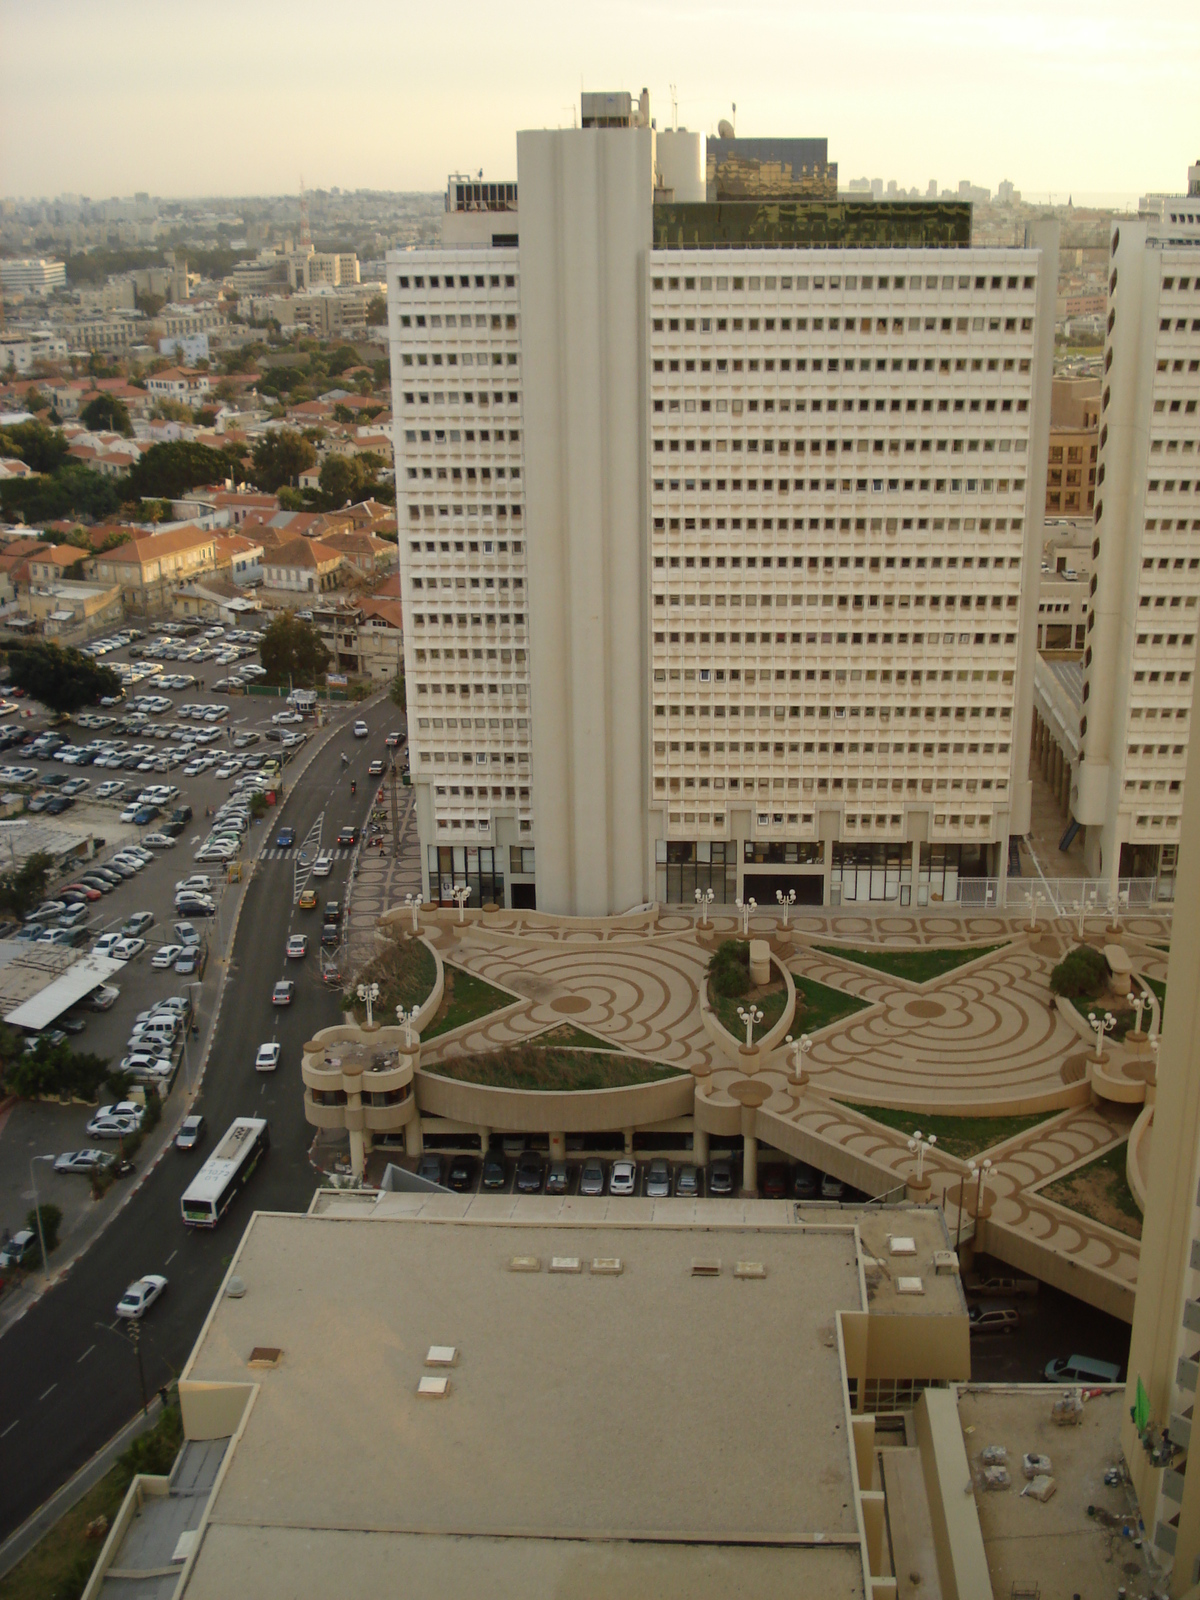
[[1139, 661], [783, 474]]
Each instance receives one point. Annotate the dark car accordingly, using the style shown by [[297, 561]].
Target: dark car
[[494, 1175], [530, 1173], [557, 1178], [348, 834], [173, 828], [806, 1181], [773, 1182], [720, 1178], [462, 1174], [333, 911], [181, 814], [146, 814], [285, 838], [393, 739], [60, 803], [430, 1168], [191, 1132], [331, 936]]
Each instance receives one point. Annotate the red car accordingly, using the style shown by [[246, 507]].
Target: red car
[[774, 1183], [84, 889]]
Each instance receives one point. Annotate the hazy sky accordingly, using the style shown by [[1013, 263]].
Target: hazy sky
[[105, 97]]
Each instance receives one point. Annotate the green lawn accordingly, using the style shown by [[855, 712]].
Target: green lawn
[[405, 972], [1101, 1191], [1125, 1018], [918, 966], [531, 1066], [59, 1566], [573, 1038], [467, 998], [770, 1002], [958, 1136], [818, 1006]]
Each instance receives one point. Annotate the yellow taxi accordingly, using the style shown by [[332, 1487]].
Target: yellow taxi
[[308, 899]]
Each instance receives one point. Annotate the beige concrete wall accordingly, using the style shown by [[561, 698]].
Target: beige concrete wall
[[212, 1410], [528, 1111], [826, 1154], [143, 1487], [903, 1345], [957, 1536], [1035, 1260]]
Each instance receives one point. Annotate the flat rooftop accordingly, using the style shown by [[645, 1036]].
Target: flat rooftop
[[1055, 1545], [621, 1432]]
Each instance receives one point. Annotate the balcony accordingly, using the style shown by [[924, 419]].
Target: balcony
[[1181, 1427], [1172, 1485], [1187, 1372], [1191, 1315], [1165, 1535]]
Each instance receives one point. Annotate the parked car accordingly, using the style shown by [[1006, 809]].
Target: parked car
[[720, 1178], [687, 1181], [105, 997], [992, 1319], [85, 1161], [832, 1188], [1074, 1369], [658, 1179], [127, 949], [462, 1174], [188, 961], [494, 1175], [591, 1178], [20, 1251], [430, 1168], [772, 1181], [557, 1178], [530, 1172], [806, 1181], [165, 955], [623, 1178]]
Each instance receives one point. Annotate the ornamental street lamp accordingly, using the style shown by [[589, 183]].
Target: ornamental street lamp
[[1100, 1026], [406, 1020], [787, 901], [746, 907], [750, 1015], [461, 895], [917, 1146], [800, 1048], [37, 1211], [369, 993], [705, 898], [413, 903]]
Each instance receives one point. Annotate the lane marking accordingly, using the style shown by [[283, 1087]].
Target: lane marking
[[48, 1393], [9, 1429], [171, 1257], [87, 1353]]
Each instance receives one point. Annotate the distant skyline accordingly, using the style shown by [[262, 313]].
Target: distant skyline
[[239, 100]]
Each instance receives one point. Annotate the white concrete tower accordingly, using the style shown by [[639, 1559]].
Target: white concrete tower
[[586, 229]]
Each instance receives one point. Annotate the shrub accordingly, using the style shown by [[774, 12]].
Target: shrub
[[153, 1110], [729, 967], [51, 1222], [1082, 973]]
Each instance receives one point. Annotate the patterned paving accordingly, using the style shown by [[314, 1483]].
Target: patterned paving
[[984, 1035]]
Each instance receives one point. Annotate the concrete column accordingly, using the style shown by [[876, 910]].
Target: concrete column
[[1066, 787], [700, 1147], [357, 1153], [750, 1151], [629, 1141], [414, 1138], [558, 1147]]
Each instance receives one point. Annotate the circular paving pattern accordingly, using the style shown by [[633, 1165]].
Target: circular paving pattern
[[925, 1008], [570, 1004], [1074, 1069]]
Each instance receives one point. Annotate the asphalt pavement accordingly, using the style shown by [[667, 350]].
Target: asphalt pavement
[[68, 1371]]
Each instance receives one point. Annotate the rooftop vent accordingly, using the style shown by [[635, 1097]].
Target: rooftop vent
[[945, 1261], [565, 1264], [442, 1355], [902, 1246], [909, 1286], [706, 1267], [265, 1355], [524, 1263], [749, 1269], [607, 1266], [434, 1388]]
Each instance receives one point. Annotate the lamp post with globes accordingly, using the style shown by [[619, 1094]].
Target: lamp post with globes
[[800, 1048], [413, 903], [787, 901], [368, 993], [406, 1020], [918, 1145], [461, 895], [750, 1015], [705, 898]]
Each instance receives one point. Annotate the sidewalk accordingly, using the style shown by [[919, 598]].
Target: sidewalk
[[380, 879]]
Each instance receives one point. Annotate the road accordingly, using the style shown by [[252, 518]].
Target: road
[[68, 1372]]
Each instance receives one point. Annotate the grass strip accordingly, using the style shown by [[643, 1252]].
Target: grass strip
[[466, 999], [1101, 1191], [534, 1067], [917, 966], [957, 1136], [819, 1006], [573, 1038]]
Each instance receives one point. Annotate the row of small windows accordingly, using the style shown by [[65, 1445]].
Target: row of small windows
[[472, 546], [491, 319], [469, 397], [830, 675], [1173, 366], [468, 360], [465, 281], [841, 525], [841, 638], [1183, 285], [738, 407], [415, 512], [942, 365], [895, 325], [851, 281], [770, 447], [1180, 325], [458, 436], [816, 563]]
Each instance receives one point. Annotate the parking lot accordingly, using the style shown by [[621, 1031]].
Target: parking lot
[[136, 744]]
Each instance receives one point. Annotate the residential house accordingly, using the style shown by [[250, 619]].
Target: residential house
[[148, 569], [302, 565], [63, 606], [213, 599], [10, 467], [363, 551], [185, 384], [238, 503], [364, 636], [240, 558]]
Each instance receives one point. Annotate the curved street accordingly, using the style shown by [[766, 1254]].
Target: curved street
[[68, 1371]]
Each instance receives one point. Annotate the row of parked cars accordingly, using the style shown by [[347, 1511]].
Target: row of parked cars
[[534, 1175]]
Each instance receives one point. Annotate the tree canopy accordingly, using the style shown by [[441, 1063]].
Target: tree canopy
[[293, 652], [63, 679], [73, 490], [376, 310], [166, 471], [280, 458], [21, 890], [42, 449], [105, 413]]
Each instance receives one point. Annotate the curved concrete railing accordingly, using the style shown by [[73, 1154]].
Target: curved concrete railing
[[552, 1111], [1110, 1083], [734, 1050], [1136, 1156]]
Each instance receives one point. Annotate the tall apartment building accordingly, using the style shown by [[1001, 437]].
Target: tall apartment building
[[33, 275], [1139, 664], [750, 603]]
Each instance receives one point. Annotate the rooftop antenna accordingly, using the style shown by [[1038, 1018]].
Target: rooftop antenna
[[674, 108], [735, 119]]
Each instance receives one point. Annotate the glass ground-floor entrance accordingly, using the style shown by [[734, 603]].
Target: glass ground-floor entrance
[[475, 868]]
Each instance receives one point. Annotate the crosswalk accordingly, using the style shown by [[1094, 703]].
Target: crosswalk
[[289, 855]]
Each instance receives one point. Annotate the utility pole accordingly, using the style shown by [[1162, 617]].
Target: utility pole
[[135, 1338]]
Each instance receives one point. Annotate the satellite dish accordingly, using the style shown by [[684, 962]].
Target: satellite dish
[[724, 129]]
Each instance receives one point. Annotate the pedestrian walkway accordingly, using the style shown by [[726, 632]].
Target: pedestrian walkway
[[381, 879], [983, 1039]]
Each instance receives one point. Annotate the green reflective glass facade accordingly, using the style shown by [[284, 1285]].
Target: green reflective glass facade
[[814, 224]]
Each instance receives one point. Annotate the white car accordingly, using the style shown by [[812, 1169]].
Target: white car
[[140, 1296], [323, 865], [159, 841], [166, 954], [105, 997], [197, 882], [623, 1179], [282, 717], [147, 1064], [361, 731], [106, 944], [109, 789], [267, 1058], [127, 949]]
